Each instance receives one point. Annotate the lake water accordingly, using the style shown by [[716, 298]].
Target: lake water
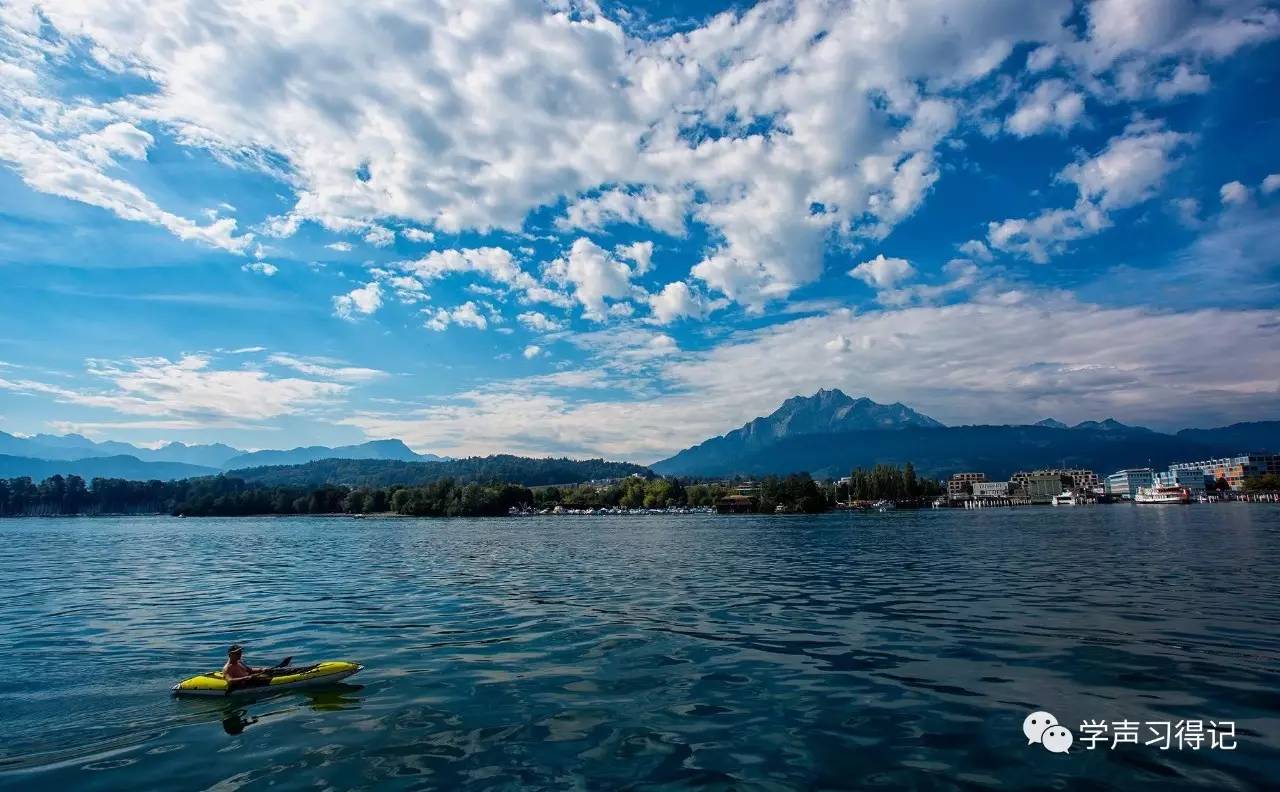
[[846, 650]]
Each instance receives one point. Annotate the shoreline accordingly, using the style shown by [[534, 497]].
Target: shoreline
[[1272, 499]]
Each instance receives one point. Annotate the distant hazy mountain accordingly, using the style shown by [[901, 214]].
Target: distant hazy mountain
[[825, 412], [830, 434], [74, 446], [1109, 425], [1051, 423], [125, 467], [216, 455], [374, 449]]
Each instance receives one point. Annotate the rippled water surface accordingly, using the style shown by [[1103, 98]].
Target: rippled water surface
[[890, 650]]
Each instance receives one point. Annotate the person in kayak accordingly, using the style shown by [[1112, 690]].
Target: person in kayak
[[235, 670]]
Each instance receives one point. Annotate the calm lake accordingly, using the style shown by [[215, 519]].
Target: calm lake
[[847, 650]]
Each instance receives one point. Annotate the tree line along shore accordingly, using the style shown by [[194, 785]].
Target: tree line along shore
[[229, 495]]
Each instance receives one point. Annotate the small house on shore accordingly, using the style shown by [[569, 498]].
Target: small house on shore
[[735, 504]]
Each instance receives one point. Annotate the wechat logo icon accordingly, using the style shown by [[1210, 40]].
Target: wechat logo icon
[[1041, 727]]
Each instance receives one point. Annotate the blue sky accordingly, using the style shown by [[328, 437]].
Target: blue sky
[[619, 229]]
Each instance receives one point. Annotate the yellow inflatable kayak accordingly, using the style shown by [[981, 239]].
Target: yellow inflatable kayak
[[271, 680]]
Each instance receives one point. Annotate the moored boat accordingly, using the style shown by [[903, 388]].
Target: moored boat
[[1163, 494]]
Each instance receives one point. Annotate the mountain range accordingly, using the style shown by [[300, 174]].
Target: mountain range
[[830, 433], [42, 455], [826, 434]]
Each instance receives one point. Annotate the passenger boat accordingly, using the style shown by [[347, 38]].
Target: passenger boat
[[1163, 494], [1066, 499]]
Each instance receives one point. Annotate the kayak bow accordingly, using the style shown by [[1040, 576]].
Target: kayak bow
[[213, 684]]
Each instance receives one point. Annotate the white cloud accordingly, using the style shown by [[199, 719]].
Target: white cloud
[[466, 315], [792, 123], [839, 344], [379, 236], [676, 301], [883, 273], [539, 322], [1052, 105], [923, 356], [1128, 171], [976, 250], [1234, 193], [1187, 211], [341, 247], [326, 368], [75, 168], [495, 263], [1271, 183], [363, 300], [261, 267], [418, 235], [1132, 43], [662, 210], [532, 351], [1183, 81], [189, 389], [595, 275], [639, 253]]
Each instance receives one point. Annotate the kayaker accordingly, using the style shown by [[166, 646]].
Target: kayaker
[[235, 667]]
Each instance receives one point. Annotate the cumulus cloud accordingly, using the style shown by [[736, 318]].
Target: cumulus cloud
[[1271, 184], [595, 276], [1052, 105], [976, 250], [532, 351], [1234, 193], [418, 235], [1181, 82], [1127, 171], [494, 263], [466, 315], [261, 268], [378, 236], [1130, 45], [361, 301], [777, 128], [678, 300], [539, 322], [883, 273], [663, 210], [341, 247]]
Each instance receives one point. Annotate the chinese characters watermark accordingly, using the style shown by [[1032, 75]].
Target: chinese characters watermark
[[1194, 735]]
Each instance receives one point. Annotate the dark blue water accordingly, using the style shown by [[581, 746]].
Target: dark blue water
[[891, 650]]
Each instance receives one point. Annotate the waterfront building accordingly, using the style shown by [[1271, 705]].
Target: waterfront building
[[1126, 483], [990, 489], [1193, 480], [1234, 469], [956, 486], [1073, 479], [1040, 485]]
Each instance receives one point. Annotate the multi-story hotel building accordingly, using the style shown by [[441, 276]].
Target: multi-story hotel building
[[956, 485], [1234, 469]]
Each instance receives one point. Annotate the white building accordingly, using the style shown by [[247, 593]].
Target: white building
[[1125, 483]]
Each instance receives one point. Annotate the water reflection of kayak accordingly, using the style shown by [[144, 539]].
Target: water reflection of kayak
[[272, 680]]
